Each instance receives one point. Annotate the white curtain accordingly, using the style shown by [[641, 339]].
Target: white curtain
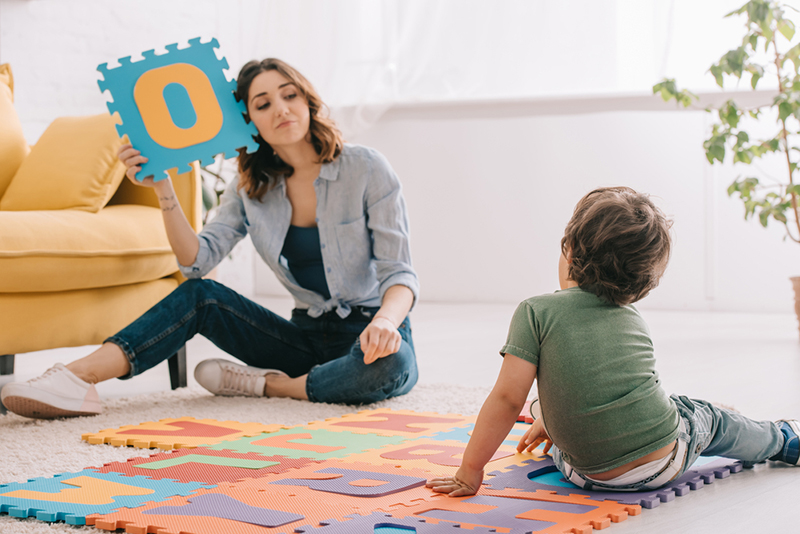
[[366, 56]]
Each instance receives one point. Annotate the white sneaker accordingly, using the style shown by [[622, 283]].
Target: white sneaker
[[57, 393], [228, 379]]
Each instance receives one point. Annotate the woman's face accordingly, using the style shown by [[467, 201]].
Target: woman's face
[[278, 109]]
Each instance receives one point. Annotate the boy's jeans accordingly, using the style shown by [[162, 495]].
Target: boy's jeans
[[326, 347], [712, 431]]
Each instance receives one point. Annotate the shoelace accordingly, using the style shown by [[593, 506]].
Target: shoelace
[[235, 380], [47, 373]]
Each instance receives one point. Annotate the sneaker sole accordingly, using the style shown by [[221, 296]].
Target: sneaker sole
[[38, 410]]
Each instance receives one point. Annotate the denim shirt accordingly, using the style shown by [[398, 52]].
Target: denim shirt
[[363, 230]]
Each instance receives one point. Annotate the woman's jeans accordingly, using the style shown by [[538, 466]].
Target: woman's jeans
[[712, 431], [326, 347]]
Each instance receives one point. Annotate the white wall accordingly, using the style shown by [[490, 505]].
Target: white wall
[[489, 195], [491, 183]]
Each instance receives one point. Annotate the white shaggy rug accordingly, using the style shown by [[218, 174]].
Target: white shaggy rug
[[30, 448]]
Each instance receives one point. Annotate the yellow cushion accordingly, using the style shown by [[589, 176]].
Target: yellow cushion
[[63, 250], [40, 321], [13, 147], [74, 165]]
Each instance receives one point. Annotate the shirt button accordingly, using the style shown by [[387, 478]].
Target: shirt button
[[338, 294], [323, 245], [329, 269], [316, 219]]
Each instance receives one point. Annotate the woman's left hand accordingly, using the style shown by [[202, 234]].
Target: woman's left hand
[[379, 339]]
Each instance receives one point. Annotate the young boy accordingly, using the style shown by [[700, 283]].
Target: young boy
[[604, 416]]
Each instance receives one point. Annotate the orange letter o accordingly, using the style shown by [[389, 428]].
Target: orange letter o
[[149, 96]]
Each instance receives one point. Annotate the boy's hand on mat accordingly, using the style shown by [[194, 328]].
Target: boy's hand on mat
[[463, 483], [535, 436], [379, 339]]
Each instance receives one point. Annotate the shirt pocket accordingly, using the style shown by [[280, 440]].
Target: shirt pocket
[[355, 249]]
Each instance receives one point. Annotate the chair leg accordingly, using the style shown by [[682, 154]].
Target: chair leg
[[7, 364], [6, 368], [177, 369]]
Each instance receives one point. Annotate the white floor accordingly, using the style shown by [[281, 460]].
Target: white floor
[[750, 362]]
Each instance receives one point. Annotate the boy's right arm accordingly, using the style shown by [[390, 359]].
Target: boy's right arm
[[181, 235], [495, 421]]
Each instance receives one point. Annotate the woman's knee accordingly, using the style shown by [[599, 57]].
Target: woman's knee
[[397, 372], [199, 290], [197, 286]]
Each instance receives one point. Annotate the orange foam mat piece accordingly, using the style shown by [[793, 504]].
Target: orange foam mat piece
[[598, 514], [148, 519], [436, 456], [387, 422], [289, 484], [180, 433], [274, 494]]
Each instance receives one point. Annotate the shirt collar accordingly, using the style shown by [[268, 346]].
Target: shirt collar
[[330, 171]]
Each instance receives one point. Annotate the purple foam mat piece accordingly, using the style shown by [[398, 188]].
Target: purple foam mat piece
[[519, 477], [377, 520], [392, 483], [504, 515], [226, 507]]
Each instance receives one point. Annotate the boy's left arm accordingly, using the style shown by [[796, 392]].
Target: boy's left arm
[[495, 421]]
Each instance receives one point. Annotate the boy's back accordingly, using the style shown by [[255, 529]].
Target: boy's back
[[601, 397]]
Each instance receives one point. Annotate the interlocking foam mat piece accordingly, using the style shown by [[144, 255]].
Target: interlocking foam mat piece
[[181, 433], [362, 472]]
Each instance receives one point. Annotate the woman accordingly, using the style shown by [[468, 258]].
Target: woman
[[330, 221]]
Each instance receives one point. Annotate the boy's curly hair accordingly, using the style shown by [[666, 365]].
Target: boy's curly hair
[[618, 244]]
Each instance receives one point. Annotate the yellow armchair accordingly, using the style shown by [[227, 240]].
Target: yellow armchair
[[83, 252]]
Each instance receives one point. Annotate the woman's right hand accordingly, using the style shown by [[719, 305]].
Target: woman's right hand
[[133, 160]]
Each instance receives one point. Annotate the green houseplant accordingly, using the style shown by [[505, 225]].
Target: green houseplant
[[767, 51]]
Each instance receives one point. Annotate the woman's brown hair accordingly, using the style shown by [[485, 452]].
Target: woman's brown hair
[[618, 244], [258, 170]]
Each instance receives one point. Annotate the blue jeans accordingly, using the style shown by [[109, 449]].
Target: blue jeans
[[712, 431], [326, 347]]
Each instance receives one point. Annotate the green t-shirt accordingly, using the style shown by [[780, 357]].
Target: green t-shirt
[[600, 394]]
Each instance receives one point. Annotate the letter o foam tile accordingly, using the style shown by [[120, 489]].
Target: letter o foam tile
[[180, 433], [178, 107]]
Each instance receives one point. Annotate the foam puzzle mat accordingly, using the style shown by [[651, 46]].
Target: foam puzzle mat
[[358, 473]]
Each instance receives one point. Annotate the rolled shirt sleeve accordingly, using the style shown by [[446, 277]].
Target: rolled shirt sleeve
[[523, 335], [218, 237]]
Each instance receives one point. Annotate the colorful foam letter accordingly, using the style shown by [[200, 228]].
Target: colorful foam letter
[[177, 107]]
